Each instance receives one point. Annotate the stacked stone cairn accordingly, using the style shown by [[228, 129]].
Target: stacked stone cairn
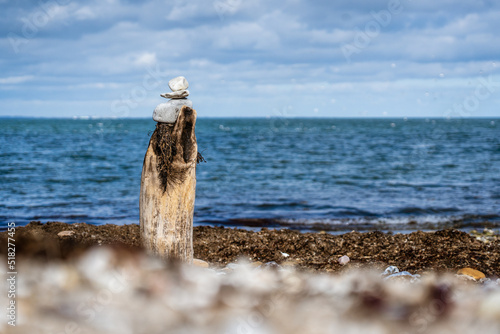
[[169, 111]]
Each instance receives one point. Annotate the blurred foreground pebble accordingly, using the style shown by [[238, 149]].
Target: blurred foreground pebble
[[117, 291]]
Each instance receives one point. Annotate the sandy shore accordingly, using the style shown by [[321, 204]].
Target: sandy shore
[[418, 252]]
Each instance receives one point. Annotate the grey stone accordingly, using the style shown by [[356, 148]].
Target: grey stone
[[168, 112], [179, 83], [176, 95]]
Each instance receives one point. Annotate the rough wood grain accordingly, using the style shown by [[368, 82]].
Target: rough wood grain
[[168, 186]]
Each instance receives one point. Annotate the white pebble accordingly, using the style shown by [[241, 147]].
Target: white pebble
[[343, 260], [179, 83], [176, 95]]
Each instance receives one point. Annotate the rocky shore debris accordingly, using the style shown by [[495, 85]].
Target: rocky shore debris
[[169, 111]]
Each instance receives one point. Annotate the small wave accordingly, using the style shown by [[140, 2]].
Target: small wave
[[243, 222], [416, 184], [346, 183], [103, 179], [401, 224], [281, 205], [417, 210]]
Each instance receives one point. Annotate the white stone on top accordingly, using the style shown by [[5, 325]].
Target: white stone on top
[[176, 95], [179, 83], [169, 111]]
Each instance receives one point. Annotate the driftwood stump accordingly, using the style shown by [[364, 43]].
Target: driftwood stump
[[168, 186]]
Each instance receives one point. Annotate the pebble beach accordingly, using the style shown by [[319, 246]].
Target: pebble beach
[[98, 279]]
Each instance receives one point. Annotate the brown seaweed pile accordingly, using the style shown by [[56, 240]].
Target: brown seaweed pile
[[418, 252]]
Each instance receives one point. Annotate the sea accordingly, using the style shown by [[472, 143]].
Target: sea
[[332, 175]]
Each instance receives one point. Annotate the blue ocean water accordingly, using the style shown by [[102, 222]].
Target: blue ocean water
[[310, 174]]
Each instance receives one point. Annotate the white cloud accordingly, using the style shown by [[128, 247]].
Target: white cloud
[[16, 80], [190, 10], [146, 59], [84, 13]]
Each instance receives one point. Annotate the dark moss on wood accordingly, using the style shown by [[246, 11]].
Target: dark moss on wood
[[165, 149], [166, 145]]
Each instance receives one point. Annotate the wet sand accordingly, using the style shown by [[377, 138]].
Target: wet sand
[[418, 252]]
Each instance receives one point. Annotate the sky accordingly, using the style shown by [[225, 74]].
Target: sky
[[256, 58]]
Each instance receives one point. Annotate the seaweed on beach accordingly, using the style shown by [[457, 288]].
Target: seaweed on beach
[[444, 251]]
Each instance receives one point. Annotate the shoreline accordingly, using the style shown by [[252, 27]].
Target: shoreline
[[443, 251], [338, 226]]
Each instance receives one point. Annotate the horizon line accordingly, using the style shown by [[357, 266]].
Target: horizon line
[[85, 117]]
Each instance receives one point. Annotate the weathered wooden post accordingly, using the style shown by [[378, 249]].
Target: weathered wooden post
[[168, 181]]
